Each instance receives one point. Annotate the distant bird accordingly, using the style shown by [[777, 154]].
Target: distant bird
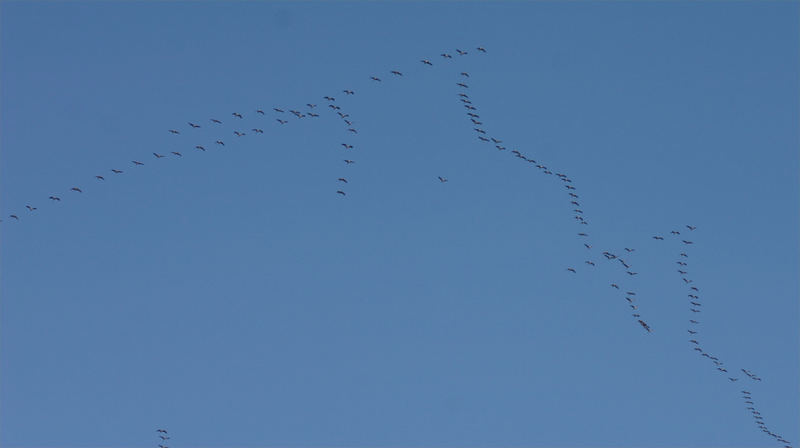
[[137, 162], [194, 125], [161, 430], [238, 134], [587, 246], [30, 208], [426, 62], [311, 106], [690, 227], [353, 131], [658, 237], [442, 179], [220, 142], [342, 179], [582, 234], [282, 121], [694, 321], [100, 177], [313, 114], [341, 192], [675, 232], [571, 270], [644, 325], [55, 198], [692, 332], [158, 156], [614, 285], [329, 98], [461, 84], [481, 49], [237, 115], [683, 255], [173, 131], [117, 171], [76, 189], [446, 56], [349, 161], [687, 242], [631, 273], [214, 120], [257, 131], [465, 74], [259, 111], [461, 53], [348, 92], [14, 216], [346, 146], [375, 78], [496, 140], [629, 250], [590, 263], [164, 437], [396, 73], [177, 153]]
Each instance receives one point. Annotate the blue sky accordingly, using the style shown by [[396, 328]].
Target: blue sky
[[234, 298]]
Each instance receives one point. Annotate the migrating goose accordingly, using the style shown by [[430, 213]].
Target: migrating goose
[[76, 189], [374, 78], [396, 73], [55, 198], [117, 171], [177, 153], [341, 192], [194, 125], [442, 179], [30, 208], [214, 120], [259, 111], [481, 49], [220, 142], [460, 52], [173, 131], [342, 179], [571, 270], [100, 178], [158, 156], [349, 161], [237, 115], [426, 62], [137, 163]]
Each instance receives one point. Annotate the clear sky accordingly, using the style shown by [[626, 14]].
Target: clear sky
[[234, 298]]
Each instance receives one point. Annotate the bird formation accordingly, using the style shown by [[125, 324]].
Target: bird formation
[[623, 264], [163, 436]]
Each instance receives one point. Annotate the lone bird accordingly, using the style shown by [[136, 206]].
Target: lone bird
[[349, 161], [442, 179]]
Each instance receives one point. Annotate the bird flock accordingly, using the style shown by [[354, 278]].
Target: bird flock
[[621, 259]]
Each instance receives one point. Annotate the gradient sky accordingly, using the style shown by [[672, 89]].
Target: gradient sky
[[232, 297]]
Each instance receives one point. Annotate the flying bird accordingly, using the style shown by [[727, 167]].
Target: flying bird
[[374, 78], [481, 49], [426, 62], [100, 177], [30, 208], [117, 171], [194, 125], [342, 179], [214, 120], [690, 227], [220, 142], [571, 270], [460, 52], [259, 111], [442, 179], [14, 216], [465, 74], [341, 192], [76, 189], [237, 115], [349, 161], [173, 131], [55, 198], [136, 162], [158, 156], [177, 153]]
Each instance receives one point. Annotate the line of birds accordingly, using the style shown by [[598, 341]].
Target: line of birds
[[163, 435], [695, 303], [483, 136]]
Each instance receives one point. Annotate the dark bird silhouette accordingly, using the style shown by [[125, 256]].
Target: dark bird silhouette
[[465, 74], [342, 179], [374, 78], [687, 242], [349, 161], [644, 325], [396, 73], [14, 216], [571, 270], [675, 232], [629, 250], [214, 120], [30, 208], [55, 198], [658, 237], [100, 178], [259, 111], [614, 285], [346, 146], [117, 171], [238, 134], [461, 84], [137, 162], [76, 189], [353, 131], [281, 121], [582, 234], [173, 131], [690, 227], [692, 332], [257, 131], [446, 56], [237, 115], [158, 156], [481, 49], [348, 92], [177, 153], [460, 52], [220, 142], [442, 179], [590, 263], [329, 98], [426, 62], [161, 430], [341, 192], [194, 125]]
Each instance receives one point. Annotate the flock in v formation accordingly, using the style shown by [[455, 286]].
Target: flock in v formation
[[284, 116]]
